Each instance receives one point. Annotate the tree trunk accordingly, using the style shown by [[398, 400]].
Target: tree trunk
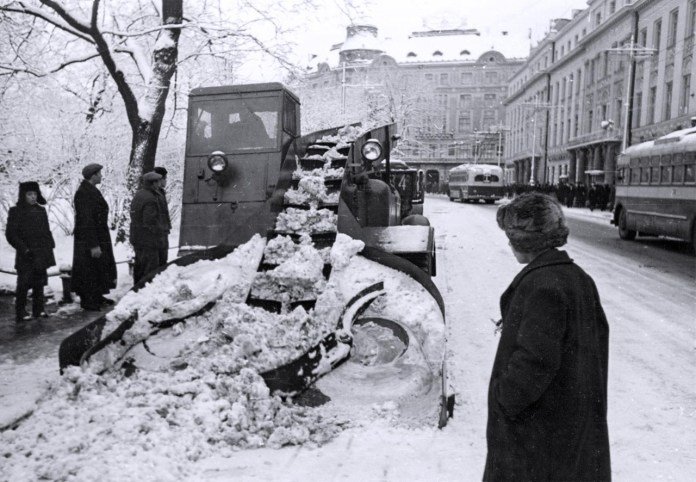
[[151, 108]]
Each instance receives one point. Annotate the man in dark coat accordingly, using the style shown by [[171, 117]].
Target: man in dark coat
[[94, 267], [164, 207], [592, 196], [547, 400], [148, 226], [29, 233]]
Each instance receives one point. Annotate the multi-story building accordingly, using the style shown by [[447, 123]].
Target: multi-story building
[[616, 73], [444, 88]]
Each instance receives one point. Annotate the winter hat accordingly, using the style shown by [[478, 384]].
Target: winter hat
[[533, 222], [151, 177], [25, 187], [161, 171], [91, 169]]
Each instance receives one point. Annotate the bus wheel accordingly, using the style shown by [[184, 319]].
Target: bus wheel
[[624, 232]]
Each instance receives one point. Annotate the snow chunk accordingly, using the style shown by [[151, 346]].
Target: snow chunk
[[310, 221]]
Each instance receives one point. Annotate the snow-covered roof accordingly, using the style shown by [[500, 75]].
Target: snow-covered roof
[[455, 45]]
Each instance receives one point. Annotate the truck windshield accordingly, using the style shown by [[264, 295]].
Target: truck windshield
[[233, 124]]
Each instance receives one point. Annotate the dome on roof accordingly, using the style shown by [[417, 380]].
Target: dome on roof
[[361, 43]]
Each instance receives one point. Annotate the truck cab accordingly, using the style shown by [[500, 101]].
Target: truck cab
[[237, 138]]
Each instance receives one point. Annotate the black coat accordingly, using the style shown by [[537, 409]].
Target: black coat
[[92, 275], [29, 233], [149, 219], [547, 400]]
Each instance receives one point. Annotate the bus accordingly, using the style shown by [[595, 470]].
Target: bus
[[656, 188], [471, 182]]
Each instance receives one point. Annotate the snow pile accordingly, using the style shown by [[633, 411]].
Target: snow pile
[[310, 221], [181, 290], [374, 344], [323, 172], [110, 428], [311, 190], [297, 278], [343, 250], [343, 137]]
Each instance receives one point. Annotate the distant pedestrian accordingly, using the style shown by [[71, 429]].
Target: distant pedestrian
[[164, 248], [94, 267], [570, 196], [592, 196], [148, 226], [28, 232], [547, 399]]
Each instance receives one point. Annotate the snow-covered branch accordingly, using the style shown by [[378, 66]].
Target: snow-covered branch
[[57, 22], [10, 69]]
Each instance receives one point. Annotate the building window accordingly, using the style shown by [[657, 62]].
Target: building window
[[444, 79], [691, 19], [612, 7], [598, 18], [590, 120], [467, 78], [489, 97], [652, 97], [411, 54], [643, 37], [464, 52], [657, 33], [491, 77], [668, 101], [685, 94], [637, 107], [464, 100], [437, 53], [429, 77], [672, 32]]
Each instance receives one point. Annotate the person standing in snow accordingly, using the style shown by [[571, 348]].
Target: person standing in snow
[[94, 267], [148, 226], [29, 233], [547, 398], [164, 208]]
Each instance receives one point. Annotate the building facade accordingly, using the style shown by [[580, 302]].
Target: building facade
[[444, 89], [616, 73]]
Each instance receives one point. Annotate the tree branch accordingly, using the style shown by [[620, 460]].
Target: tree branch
[[48, 72], [47, 18]]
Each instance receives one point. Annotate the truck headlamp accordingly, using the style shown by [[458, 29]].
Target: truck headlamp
[[371, 150], [217, 162]]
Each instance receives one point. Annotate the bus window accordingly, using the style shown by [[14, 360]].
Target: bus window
[[654, 175], [666, 175], [635, 175], [644, 175], [689, 175], [678, 175]]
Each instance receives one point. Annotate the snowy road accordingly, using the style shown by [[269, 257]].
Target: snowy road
[[649, 295], [650, 301]]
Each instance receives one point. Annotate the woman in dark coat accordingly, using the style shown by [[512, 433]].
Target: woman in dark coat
[[94, 268], [28, 232], [547, 399]]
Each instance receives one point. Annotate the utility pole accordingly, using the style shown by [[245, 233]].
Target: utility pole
[[500, 129], [536, 107], [634, 52]]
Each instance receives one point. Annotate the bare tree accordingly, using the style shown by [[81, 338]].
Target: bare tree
[[137, 45]]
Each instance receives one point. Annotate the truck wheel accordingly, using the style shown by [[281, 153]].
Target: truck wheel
[[624, 232]]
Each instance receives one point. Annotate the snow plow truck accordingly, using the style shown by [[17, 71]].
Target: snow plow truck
[[250, 175]]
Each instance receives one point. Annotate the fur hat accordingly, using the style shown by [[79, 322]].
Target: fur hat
[[533, 222], [161, 171], [91, 169], [30, 186]]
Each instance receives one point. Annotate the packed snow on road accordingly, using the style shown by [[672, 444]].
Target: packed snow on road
[[213, 418]]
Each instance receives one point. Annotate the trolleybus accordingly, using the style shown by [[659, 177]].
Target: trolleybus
[[656, 188], [471, 182]]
